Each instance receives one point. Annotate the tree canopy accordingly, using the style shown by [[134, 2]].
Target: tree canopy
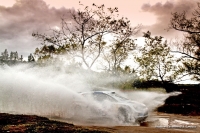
[[84, 37], [190, 48], [155, 61], [97, 34]]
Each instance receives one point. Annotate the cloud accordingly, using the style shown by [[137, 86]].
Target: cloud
[[163, 12], [24, 17]]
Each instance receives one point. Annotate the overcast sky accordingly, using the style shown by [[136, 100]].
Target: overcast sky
[[20, 18]]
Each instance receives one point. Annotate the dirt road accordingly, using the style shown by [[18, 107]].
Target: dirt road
[[160, 123], [156, 123]]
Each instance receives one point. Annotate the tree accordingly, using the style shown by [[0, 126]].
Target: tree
[[45, 52], [190, 48], [31, 58], [85, 35], [155, 61], [5, 55], [119, 52]]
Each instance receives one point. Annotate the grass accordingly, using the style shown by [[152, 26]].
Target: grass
[[162, 90]]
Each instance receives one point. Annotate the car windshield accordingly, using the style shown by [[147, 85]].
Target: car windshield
[[100, 97], [120, 98]]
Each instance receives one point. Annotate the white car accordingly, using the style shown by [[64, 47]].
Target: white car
[[107, 103]]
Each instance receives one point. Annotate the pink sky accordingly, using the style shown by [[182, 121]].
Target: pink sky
[[127, 8], [20, 21]]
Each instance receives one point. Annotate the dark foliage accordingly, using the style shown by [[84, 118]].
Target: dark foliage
[[167, 85], [187, 103]]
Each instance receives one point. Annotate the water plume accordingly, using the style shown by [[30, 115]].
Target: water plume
[[51, 91]]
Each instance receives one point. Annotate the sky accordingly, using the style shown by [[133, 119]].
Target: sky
[[20, 18]]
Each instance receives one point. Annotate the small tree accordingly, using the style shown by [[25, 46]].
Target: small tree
[[5, 55], [156, 62], [118, 53], [84, 36], [190, 48], [45, 52]]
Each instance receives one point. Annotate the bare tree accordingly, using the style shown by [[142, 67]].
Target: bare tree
[[190, 48], [120, 50], [85, 35]]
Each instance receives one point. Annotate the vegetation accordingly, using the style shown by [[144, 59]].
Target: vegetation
[[13, 58], [83, 42], [156, 62], [187, 103], [84, 37], [190, 48]]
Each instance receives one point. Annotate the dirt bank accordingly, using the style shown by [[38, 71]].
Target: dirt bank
[[34, 124]]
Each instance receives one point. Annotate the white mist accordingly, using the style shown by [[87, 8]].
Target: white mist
[[50, 91]]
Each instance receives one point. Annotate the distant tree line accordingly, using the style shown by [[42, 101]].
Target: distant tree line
[[13, 58]]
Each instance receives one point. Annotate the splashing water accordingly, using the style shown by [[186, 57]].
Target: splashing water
[[48, 91]]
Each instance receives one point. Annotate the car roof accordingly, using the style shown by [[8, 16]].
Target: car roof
[[98, 92]]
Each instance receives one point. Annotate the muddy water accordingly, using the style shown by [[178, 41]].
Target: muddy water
[[155, 123], [155, 120], [171, 121]]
